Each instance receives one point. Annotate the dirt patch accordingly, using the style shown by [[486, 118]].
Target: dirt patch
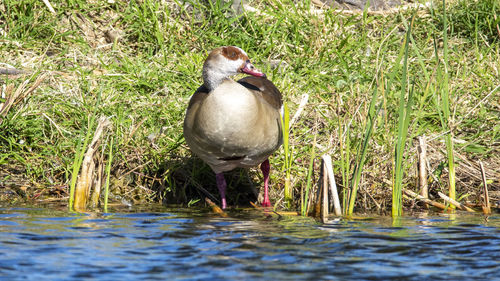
[[372, 5]]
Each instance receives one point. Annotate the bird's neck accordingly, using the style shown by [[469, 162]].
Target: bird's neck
[[212, 78]]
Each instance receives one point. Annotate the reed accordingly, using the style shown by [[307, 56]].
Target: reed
[[287, 162], [77, 161], [80, 152], [305, 191], [405, 109], [345, 149], [443, 105], [108, 174], [362, 150], [146, 77], [446, 109]]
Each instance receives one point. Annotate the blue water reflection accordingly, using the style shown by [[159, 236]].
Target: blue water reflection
[[183, 244]]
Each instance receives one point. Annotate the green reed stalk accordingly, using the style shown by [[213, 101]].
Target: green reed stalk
[[80, 152], [77, 162], [370, 124], [403, 123], [287, 164], [153, 7], [345, 149], [305, 197], [445, 97], [443, 106], [108, 173]]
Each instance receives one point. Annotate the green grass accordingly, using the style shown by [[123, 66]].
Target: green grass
[[443, 105], [288, 156], [404, 115], [306, 191], [108, 174], [362, 151], [77, 162], [142, 83]]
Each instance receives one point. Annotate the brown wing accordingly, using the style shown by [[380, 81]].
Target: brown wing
[[200, 94], [265, 88]]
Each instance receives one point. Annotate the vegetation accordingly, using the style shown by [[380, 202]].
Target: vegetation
[[287, 153], [137, 62], [404, 115]]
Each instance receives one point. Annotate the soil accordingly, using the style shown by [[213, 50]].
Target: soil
[[373, 5]]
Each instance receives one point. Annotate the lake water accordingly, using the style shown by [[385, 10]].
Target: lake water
[[190, 244]]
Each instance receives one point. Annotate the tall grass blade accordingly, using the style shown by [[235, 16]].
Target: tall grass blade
[[445, 97], [443, 105], [77, 162], [108, 173], [403, 123], [287, 164], [305, 196], [345, 160], [370, 124]]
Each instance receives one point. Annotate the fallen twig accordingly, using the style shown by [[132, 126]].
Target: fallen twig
[[455, 203], [216, 209], [422, 168], [377, 204], [55, 125], [302, 105], [486, 205], [18, 95], [423, 199], [49, 6], [327, 160]]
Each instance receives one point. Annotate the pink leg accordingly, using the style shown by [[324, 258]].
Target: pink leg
[[265, 167], [221, 184]]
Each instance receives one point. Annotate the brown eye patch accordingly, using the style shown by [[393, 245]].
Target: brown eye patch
[[233, 53]]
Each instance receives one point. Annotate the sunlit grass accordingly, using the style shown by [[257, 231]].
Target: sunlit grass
[[445, 109], [77, 162], [442, 102], [404, 115], [362, 152], [108, 174], [351, 66], [306, 191], [287, 162]]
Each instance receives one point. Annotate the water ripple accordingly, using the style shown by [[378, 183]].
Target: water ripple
[[37, 244]]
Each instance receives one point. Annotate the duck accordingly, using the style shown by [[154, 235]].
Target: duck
[[234, 124]]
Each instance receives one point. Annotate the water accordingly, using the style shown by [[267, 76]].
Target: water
[[166, 244]]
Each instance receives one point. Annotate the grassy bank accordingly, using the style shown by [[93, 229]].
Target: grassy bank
[[138, 62]]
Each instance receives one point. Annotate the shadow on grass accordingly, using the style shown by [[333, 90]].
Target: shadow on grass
[[188, 180]]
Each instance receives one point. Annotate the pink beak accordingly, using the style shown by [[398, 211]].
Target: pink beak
[[250, 69]]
